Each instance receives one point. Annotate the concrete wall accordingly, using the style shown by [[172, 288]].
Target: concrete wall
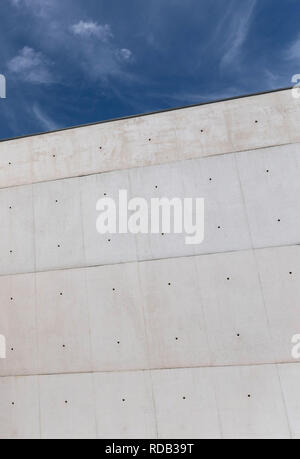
[[143, 336]]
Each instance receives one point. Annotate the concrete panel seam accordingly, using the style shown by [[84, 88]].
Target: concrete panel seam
[[153, 370], [151, 165], [284, 399], [74, 268]]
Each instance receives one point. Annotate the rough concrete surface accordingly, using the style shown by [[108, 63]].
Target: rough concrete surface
[[143, 336]]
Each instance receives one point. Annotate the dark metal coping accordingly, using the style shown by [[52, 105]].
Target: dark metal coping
[[150, 113]]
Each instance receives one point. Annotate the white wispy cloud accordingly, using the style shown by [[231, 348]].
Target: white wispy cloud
[[92, 29], [293, 52], [38, 7], [275, 80], [190, 97], [100, 55], [239, 29], [124, 54], [44, 120], [31, 66]]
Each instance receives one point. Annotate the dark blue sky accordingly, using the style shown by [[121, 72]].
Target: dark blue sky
[[71, 62]]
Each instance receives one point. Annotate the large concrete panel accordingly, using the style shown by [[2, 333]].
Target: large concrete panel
[[234, 312], [160, 182], [125, 406], [58, 225], [18, 324], [271, 188], [174, 314], [67, 405], [157, 141], [186, 405], [253, 122], [250, 402], [225, 127], [16, 162], [279, 269], [107, 248], [63, 322], [16, 231], [216, 180], [197, 134], [117, 323], [19, 408]]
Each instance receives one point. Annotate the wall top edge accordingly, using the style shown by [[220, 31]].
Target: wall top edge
[[149, 113]]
